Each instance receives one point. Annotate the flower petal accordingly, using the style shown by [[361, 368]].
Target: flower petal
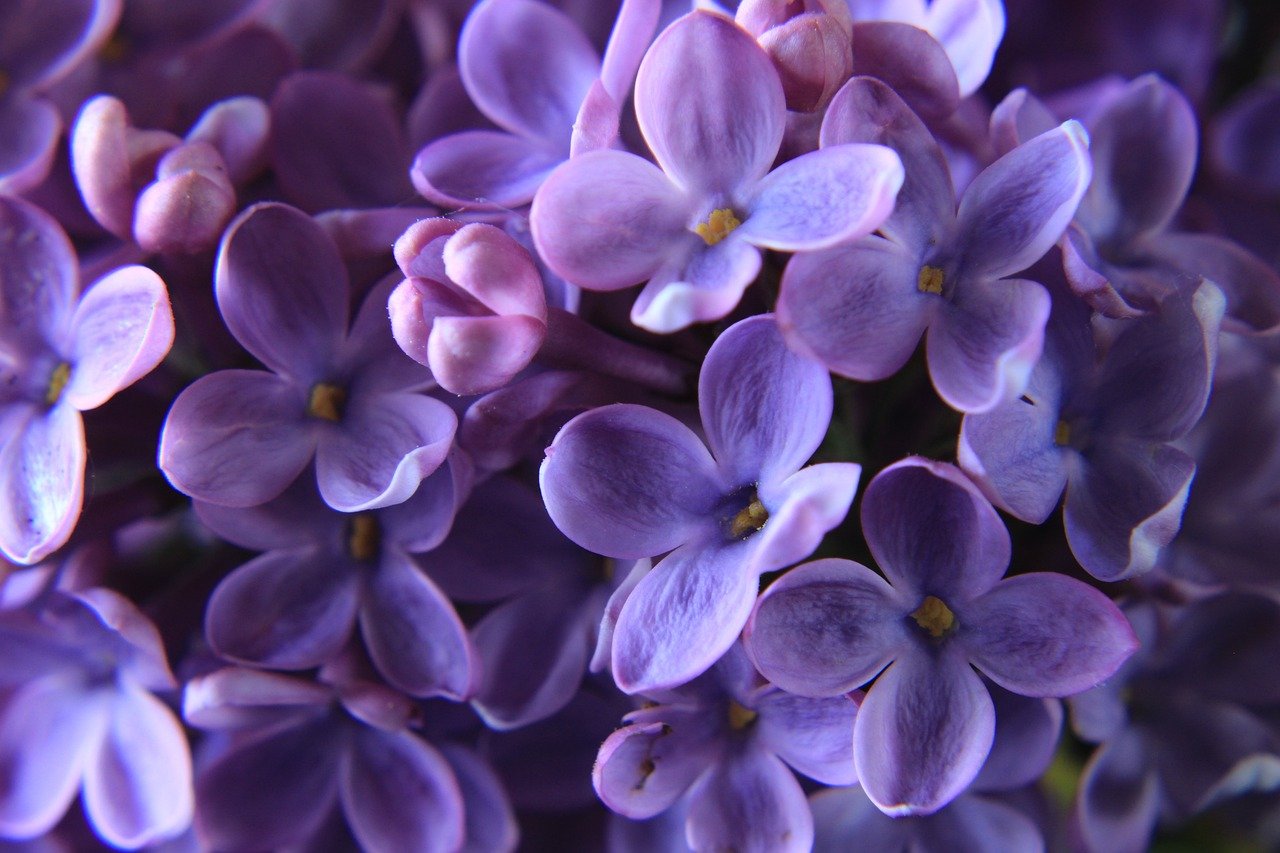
[[29, 130], [39, 287], [41, 482], [969, 31], [923, 732], [1010, 452], [910, 61], [642, 769], [825, 628], [1119, 796], [628, 481], [814, 736], [236, 438], [749, 801], [1027, 732], [703, 284], [802, 508], [482, 167]]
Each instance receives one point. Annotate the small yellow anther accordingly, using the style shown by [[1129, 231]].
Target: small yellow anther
[[327, 401], [929, 280], [1062, 434], [718, 225], [57, 383], [748, 520], [740, 717], [365, 540], [116, 49], [934, 616]]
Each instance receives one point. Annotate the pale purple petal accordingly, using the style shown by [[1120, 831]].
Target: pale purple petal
[[282, 290], [138, 788], [482, 167], [476, 355], [386, 445], [826, 627], [932, 532], [704, 285], [683, 616], [749, 801], [814, 736], [236, 698], [802, 508], [527, 66], [765, 409], [236, 438], [38, 289], [923, 732], [824, 197], [1019, 206], [1045, 634], [1017, 118], [1027, 732], [632, 32], [603, 654], [49, 731], [596, 127], [41, 482], [696, 66], [855, 308], [239, 128], [969, 31], [399, 793], [1119, 796], [910, 61], [983, 344], [490, 821], [628, 481], [609, 240], [284, 609], [642, 769], [413, 634], [121, 329], [1010, 452]]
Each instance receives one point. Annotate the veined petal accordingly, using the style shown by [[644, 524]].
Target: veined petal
[[814, 736], [825, 628], [923, 732], [482, 167], [41, 482], [693, 69], [607, 220], [628, 481], [802, 508], [121, 329], [1045, 634], [1011, 453], [1027, 732], [824, 197], [749, 801], [38, 289]]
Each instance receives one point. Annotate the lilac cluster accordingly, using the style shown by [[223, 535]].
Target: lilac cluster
[[436, 425]]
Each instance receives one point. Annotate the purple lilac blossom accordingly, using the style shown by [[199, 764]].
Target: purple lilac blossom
[[630, 482], [927, 723], [1097, 421], [345, 397], [692, 227], [78, 713], [62, 352], [811, 46], [861, 307], [726, 743]]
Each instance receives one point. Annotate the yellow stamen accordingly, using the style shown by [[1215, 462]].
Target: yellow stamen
[[934, 616], [365, 540], [327, 401], [748, 520], [1062, 434], [57, 383], [740, 717], [929, 280], [718, 225], [116, 49]]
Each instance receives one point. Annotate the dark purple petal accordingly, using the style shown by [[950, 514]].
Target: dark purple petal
[[295, 519], [399, 793], [844, 819], [932, 532], [910, 61], [814, 736], [695, 67], [1119, 796], [138, 789], [1251, 286], [282, 290], [482, 167], [490, 821], [1125, 505], [29, 129], [1010, 452], [413, 634], [284, 609], [42, 44], [371, 356], [628, 481], [826, 627], [42, 465], [855, 308], [683, 616], [1045, 634], [1027, 732], [749, 801], [981, 825], [609, 240], [923, 732], [236, 438], [1019, 206]]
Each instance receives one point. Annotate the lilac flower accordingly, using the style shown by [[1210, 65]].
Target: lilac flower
[[78, 713], [1098, 424], [630, 482], [720, 742], [711, 108], [810, 44], [927, 724], [346, 397], [861, 308], [61, 353], [296, 605]]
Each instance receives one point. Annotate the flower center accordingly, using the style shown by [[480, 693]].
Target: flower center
[[929, 280], [1062, 434], [719, 224], [57, 383], [934, 616], [740, 717], [364, 537], [327, 401], [116, 49], [748, 520]]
